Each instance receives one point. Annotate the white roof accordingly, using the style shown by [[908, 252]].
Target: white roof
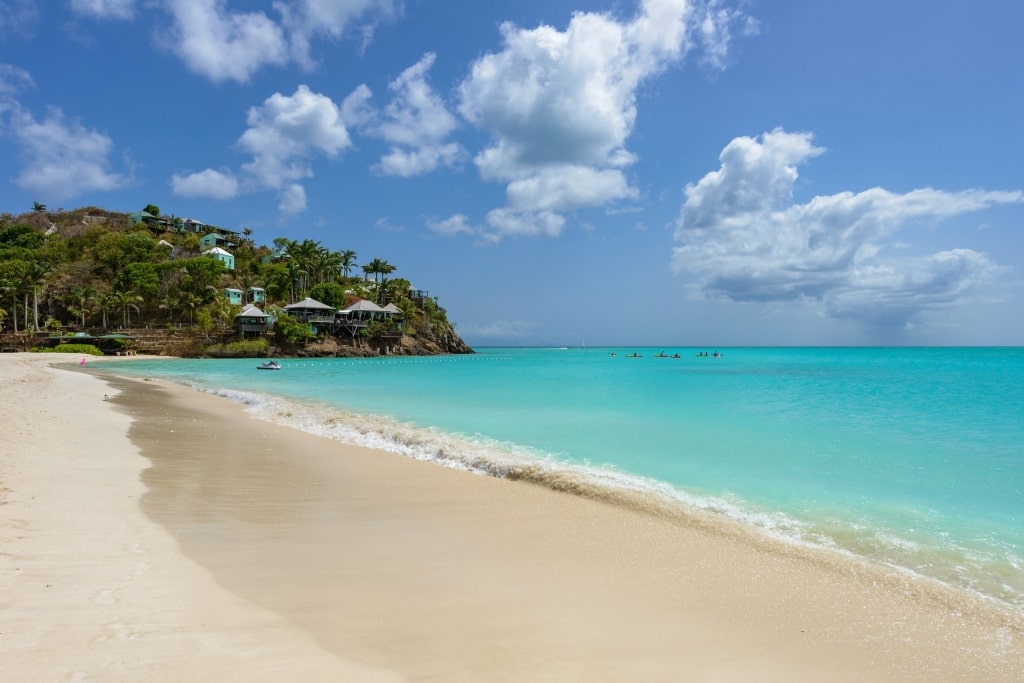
[[251, 311], [363, 305], [308, 303], [218, 251]]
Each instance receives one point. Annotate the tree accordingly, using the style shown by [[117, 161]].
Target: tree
[[139, 277], [127, 300], [330, 293], [36, 280], [116, 250], [38, 208], [152, 210], [304, 255], [12, 280], [105, 302], [348, 261], [82, 296], [328, 265]]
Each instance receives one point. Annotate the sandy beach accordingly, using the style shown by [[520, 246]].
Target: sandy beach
[[149, 532]]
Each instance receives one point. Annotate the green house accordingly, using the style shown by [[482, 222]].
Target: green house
[[225, 257], [234, 296]]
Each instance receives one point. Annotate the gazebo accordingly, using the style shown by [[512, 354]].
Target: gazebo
[[252, 319], [320, 316]]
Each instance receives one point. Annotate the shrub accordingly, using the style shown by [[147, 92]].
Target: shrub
[[239, 349], [87, 349]]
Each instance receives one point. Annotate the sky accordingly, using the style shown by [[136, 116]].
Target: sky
[[670, 173]]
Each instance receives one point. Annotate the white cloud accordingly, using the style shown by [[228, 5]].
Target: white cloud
[[563, 103], [208, 183], [225, 44], [714, 29], [102, 9], [293, 200], [221, 44], [567, 187], [18, 17], [505, 222], [416, 123], [62, 158], [384, 225], [891, 294], [356, 109], [742, 235], [456, 224], [305, 19], [289, 129], [286, 133], [12, 79]]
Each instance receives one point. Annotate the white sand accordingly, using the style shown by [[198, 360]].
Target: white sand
[[253, 552]]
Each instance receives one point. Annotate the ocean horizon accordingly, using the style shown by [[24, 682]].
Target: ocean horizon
[[910, 457]]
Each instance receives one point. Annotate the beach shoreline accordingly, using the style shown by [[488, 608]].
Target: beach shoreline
[[229, 548]]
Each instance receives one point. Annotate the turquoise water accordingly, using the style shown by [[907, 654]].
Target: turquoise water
[[913, 457]]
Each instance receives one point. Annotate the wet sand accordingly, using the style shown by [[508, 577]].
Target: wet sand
[[166, 535]]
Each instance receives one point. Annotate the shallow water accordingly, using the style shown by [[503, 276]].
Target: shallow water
[[908, 456]]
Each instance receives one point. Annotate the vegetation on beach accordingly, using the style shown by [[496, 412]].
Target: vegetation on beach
[[83, 349], [92, 269]]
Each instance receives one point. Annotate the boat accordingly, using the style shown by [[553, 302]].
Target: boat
[[633, 355], [269, 365]]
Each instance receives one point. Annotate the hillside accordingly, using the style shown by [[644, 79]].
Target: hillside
[[180, 286]]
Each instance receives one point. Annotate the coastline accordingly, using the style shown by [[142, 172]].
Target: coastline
[[166, 533]]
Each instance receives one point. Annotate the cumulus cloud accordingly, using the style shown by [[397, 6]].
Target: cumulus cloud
[[286, 133], [563, 103], [416, 122], [225, 44], [456, 224], [62, 158], [222, 44], [743, 236], [287, 130], [293, 200], [505, 222], [208, 183], [714, 28], [104, 9], [305, 19]]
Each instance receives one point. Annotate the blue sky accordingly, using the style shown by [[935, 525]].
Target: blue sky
[[634, 172]]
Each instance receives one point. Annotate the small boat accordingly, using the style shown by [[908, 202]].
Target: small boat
[[269, 365], [633, 355]]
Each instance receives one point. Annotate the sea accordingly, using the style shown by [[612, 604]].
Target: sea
[[908, 457]]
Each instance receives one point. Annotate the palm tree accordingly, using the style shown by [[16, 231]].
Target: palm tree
[[190, 300], [105, 301], [348, 260], [328, 265], [35, 278], [38, 208], [304, 255], [374, 267], [82, 296], [295, 272], [10, 288], [126, 300], [169, 304]]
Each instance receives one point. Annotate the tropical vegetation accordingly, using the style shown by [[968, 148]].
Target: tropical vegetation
[[93, 269]]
